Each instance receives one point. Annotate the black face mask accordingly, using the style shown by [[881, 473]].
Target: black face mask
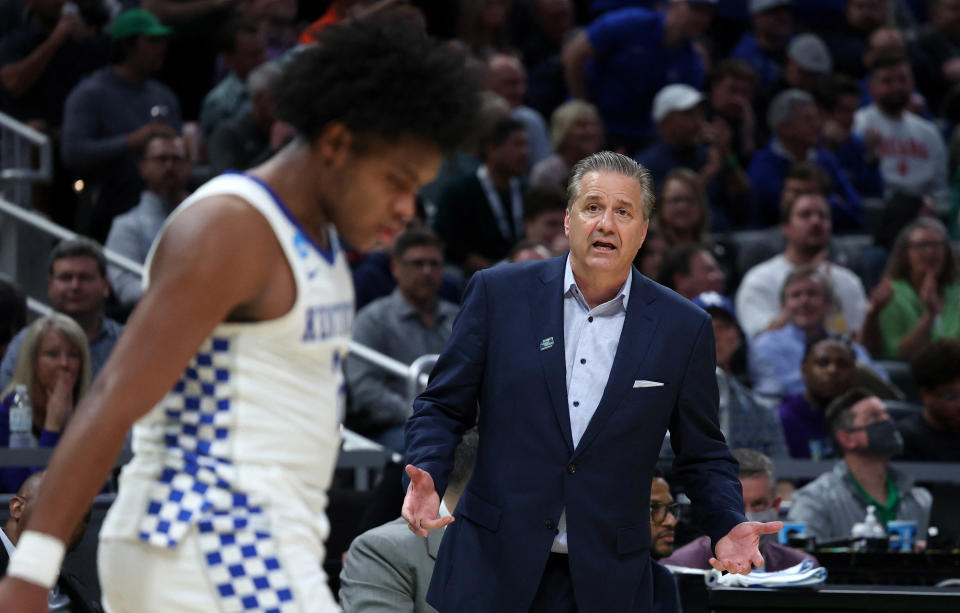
[[883, 439]]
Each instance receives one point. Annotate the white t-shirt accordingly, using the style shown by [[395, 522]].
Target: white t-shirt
[[758, 299], [913, 157]]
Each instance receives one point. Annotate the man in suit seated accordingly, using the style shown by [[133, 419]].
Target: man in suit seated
[[760, 503], [572, 420], [67, 595], [388, 568]]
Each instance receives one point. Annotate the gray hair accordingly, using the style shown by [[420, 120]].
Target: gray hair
[[608, 161], [812, 273], [784, 104], [264, 77], [755, 464]]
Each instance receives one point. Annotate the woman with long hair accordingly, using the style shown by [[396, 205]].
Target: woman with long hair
[[683, 212], [54, 366], [919, 298]]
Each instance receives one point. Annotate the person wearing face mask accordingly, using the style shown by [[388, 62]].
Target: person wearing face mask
[[760, 503], [867, 439]]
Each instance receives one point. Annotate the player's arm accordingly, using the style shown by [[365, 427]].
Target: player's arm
[[200, 275]]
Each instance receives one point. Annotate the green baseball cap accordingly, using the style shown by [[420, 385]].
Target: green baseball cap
[[137, 22]]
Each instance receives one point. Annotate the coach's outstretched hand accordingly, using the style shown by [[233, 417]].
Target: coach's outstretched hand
[[421, 505], [19, 596], [739, 551]]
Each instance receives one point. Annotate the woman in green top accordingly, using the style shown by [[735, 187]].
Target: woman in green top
[[919, 297]]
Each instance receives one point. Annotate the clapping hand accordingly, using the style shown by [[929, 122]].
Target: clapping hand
[[882, 294], [60, 402]]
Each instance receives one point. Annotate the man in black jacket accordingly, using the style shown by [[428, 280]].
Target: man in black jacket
[[68, 595]]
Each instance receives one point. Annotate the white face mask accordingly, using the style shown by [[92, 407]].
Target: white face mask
[[770, 514]]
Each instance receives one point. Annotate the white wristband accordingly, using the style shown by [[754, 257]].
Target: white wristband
[[37, 558]]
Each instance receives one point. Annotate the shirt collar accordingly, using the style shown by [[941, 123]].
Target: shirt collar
[[108, 329], [799, 334], [405, 311], [154, 203], [7, 544], [777, 147], [570, 287]]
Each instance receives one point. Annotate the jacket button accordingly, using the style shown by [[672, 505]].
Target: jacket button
[[571, 468], [548, 524]]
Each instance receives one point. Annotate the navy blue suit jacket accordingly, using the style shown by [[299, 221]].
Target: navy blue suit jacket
[[527, 471]]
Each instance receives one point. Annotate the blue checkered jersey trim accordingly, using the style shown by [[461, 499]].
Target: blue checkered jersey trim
[[196, 477], [196, 486]]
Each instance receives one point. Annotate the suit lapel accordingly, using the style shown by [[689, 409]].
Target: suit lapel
[[546, 311], [638, 328]]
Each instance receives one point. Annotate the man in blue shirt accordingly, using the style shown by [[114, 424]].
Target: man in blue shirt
[[765, 46], [776, 355], [625, 57], [795, 122], [842, 100]]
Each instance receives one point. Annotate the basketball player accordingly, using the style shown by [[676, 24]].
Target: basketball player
[[230, 365]]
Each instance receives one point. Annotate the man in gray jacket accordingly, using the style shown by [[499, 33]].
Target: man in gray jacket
[[388, 569], [866, 437]]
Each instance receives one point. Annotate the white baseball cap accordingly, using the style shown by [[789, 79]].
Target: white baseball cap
[[675, 97]]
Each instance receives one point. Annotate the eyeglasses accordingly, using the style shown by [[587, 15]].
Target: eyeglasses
[[927, 245], [424, 263], [658, 511]]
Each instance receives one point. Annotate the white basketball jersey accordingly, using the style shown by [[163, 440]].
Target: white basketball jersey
[[253, 422]]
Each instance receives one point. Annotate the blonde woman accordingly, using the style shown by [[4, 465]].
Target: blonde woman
[[576, 131], [54, 365]]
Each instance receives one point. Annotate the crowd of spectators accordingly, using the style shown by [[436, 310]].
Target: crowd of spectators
[[805, 157]]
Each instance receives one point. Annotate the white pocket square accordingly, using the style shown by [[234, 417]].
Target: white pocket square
[[645, 383]]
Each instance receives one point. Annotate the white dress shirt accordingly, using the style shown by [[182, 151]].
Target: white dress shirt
[[590, 340]]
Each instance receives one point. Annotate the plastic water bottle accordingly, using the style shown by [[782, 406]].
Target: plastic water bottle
[[869, 534], [872, 524], [21, 419]]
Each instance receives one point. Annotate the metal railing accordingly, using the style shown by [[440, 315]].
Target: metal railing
[[27, 154], [26, 158], [48, 227]]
